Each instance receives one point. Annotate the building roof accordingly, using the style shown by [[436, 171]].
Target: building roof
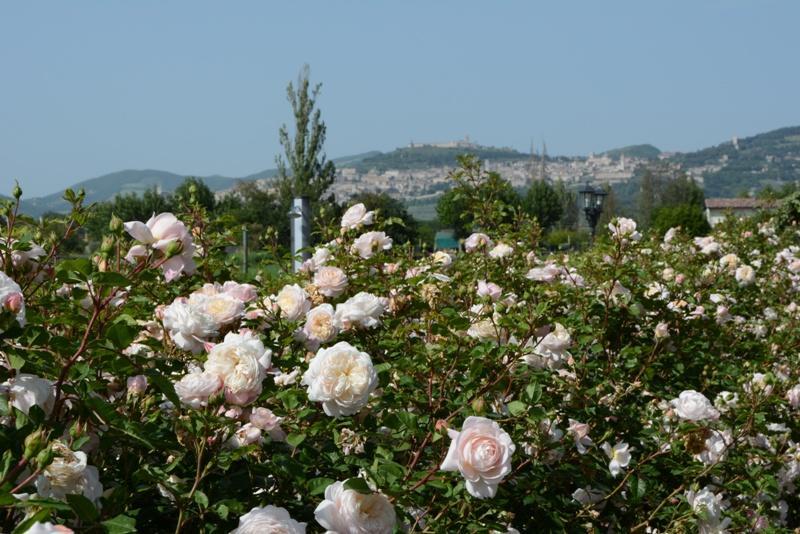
[[739, 203]]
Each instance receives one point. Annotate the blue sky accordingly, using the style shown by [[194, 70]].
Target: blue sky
[[198, 87]]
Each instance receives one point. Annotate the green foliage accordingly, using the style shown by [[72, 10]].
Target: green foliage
[[689, 217], [543, 202]]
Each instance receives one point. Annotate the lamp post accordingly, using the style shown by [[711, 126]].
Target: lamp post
[[592, 199]]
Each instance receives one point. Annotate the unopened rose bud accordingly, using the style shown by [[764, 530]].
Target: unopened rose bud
[[479, 406], [107, 245], [13, 302], [45, 457], [116, 225], [173, 249], [137, 384], [34, 443], [17, 191]]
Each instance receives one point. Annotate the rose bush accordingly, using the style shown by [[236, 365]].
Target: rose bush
[[643, 385]]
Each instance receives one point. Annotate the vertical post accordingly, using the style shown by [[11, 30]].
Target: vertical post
[[244, 252], [300, 221]]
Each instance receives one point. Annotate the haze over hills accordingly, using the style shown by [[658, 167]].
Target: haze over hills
[[418, 173]]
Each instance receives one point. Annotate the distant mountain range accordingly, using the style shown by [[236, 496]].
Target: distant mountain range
[[727, 169]]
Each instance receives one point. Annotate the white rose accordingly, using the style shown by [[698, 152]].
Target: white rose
[[442, 258], [241, 362], [264, 419], [247, 434], [623, 229], [69, 474], [693, 406], [349, 512], [293, 302], [708, 507], [745, 275], [477, 241], [29, 390], [551, 350], [194, 389], [342, 378], [357, 216], [360, 311], [729, 261], [481, 452], [366, 245], [269, 519], [319, 326], [619, 455], [330, 281], [188, 326], [662, 331], [501, 250]]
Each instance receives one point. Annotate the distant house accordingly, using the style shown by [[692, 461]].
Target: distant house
[[718, 208]]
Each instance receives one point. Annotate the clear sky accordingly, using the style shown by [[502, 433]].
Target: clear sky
[[198, 87]]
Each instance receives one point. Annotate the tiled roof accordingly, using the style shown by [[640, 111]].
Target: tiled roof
[[740, 203]]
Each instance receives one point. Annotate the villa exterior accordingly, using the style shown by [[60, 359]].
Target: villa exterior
[[718, 208]]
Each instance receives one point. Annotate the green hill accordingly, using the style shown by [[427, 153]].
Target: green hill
[[634, 151], [423, 157], [771, 158]]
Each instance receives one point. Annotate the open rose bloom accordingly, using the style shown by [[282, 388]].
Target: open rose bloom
[[168, 239], [481, 452]]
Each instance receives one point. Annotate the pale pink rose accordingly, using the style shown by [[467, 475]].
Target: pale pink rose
[[363, 310], [693, 406], [330, 281], [293, 302], [745, 275], [366, 245], [223, 308], [264, 419], [169, 239], [546, 273], [357, 216], [481, 452], [319, 326], [489, 289], [48, 528], [342, 378], [661, 330], [241, 362], [269, 520], [137, 384], [793, 396], [243, 292], [501, 250], [247, 434], [11, 298], [478, 241], [580, 433], [391, 268], [194, 389], [347, 511], [188, 325]]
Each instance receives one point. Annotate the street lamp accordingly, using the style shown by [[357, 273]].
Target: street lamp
[[592, 200]]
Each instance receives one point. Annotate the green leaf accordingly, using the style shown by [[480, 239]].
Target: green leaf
[[164, 385], [39, 516], [357, 484], [121, 524], [201, 499], [316, 486], [121, 335], [81, 266], [295, 439], [16, 360], [110, 279], [83, 507], [516, 408]]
